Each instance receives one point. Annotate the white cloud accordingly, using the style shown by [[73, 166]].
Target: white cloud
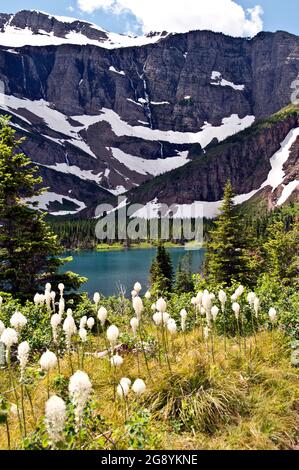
[[224, 16]]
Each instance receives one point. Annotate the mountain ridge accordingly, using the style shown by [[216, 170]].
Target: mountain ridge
[[117, 117]]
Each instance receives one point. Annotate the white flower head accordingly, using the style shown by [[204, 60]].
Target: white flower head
[[214, 312], [171, 326], [222, 298], [134, 322], [61, 306], [147, 295], [55, 416], [61, 288], [250, 298], [90, 323], [48, 361], [256, 306], [116, 360], [138, 306], [55, 320], [122, 390], [112, 335], [83, 335], [96, 298], [126, 381], [198, 298], [134, 294], [161, 305], [139, 387], [83, 322], [80, 389], [9, 337], [236, 309], [18, 321], [48, 287], [153, 307], [69, 312], [183, 314], [23, 356], [70, 329], [239, 291], [137, 287], [273, 315], [102, 315], [207, 301]]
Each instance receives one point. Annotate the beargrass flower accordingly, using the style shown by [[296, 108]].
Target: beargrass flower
[[80, 389], [18, 321], [134, 322], [90, 323], [256, 306], [23, 356], [48, 361], [171, 326], [112, 335], [55, 322], [102, 315], [134, 294], [153, 307], [116, 360], [161, 305], [222, 299], [61, 288], [138, 306], [236, 309], [83, 335], [9, 337], [273, 315], [214, 312], [147, 295], [70, 329], [183, 315], [139, 387], [55, 412], [83, 322], [96, 298], [137, 287], [251, 298], [61, 306]]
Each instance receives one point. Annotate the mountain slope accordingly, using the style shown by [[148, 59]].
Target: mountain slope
[[115, 112], [262, 162]]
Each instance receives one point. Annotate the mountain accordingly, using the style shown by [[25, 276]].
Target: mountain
[[105, 113]]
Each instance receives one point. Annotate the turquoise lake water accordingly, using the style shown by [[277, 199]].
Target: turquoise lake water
[[107, 270]]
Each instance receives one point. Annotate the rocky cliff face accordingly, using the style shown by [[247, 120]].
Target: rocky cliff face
[[105, 113]]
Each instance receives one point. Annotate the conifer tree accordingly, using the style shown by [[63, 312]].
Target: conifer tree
[[184, 281], [161, 270], [280, 253], [28, 248], [226, 258]]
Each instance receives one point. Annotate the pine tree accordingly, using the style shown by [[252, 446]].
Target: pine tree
[[280, 253], [226, 258], [184, 281], [28, 248], [161, 270]]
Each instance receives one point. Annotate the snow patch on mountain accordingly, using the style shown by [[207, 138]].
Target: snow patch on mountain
[[12, 36], [149, 167], [47, 197], [230, 126], [218, 80]]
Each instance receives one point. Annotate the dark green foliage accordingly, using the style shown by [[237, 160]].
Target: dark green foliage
[[161, 271], [28, 248], [226, 259], [184, 280]]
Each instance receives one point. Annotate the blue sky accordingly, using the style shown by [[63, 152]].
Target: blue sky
[[281, 15]]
